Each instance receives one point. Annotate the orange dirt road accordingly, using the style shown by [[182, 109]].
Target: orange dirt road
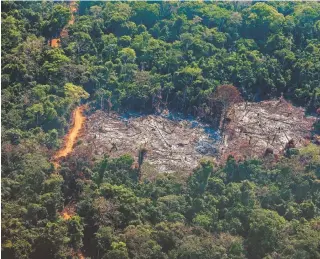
[[71, 137], [55, 43], [78, 120]]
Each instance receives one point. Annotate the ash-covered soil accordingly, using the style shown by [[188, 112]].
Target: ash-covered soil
[[254, 127], [172, 145]]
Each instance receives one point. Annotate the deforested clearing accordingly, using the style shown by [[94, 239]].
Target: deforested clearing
[[252, 128], [171, 145], [178, 145]]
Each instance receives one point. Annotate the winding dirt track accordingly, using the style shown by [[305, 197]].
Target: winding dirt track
[[55, 43], [78, 120], [70, 139]]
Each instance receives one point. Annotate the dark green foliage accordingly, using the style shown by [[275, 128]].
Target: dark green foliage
[[199, 180], [148, 56]]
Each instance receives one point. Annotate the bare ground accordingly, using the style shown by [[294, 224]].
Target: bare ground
[[178, 145], [254, 127], [172, 145]]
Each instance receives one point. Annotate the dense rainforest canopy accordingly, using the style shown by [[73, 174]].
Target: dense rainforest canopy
[[147, 56]]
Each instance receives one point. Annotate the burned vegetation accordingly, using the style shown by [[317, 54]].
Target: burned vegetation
[[268, 127]]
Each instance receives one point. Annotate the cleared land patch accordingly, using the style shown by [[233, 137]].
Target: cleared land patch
[[172, 145], [175, 144], [254, 127]]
